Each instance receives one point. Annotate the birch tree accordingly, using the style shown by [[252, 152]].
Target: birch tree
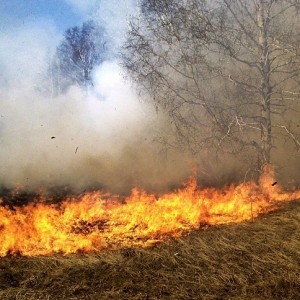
[[227, 72], [82, 49]]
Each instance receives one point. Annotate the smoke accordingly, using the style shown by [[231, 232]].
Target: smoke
[[104, 138], [115, 16]]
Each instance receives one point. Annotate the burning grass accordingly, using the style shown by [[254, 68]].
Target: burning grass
[[257, 259], [95, 221]]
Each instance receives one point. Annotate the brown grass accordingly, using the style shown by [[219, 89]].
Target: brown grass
[[252, 260]]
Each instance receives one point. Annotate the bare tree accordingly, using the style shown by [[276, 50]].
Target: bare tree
[[226, 71], [263, 40], [82, 48]]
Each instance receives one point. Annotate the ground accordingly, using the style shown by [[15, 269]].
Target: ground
[[259, 259]]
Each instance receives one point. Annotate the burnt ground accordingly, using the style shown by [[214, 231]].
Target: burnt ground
[[251, 260], [50, 195]]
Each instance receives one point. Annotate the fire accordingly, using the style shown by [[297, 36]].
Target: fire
[[92, 222]]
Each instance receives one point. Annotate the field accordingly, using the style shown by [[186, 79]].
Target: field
[[252, 260]]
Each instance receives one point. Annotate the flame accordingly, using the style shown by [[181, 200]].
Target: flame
[[92, 222]]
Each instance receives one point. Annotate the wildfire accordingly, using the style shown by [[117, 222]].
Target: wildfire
[[90, 222]]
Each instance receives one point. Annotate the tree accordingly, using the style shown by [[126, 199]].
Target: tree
[[82, 49], [262, 38], [227, 72]]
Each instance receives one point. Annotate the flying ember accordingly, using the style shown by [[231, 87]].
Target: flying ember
[[95, 221]]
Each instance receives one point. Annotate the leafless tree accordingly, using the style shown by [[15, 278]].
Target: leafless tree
[[226, 71], [81, 50]]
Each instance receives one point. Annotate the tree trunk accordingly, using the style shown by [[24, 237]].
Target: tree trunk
[[266, 87]]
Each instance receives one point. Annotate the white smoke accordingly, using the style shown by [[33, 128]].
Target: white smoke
[[25, 51], [101, 138], [52, 139]]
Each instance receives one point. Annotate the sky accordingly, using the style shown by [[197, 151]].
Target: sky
[[62, 14]]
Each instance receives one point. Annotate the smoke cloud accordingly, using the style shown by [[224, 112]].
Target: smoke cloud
[[102, 139]]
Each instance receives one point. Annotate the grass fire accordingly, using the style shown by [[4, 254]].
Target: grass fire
[[95, 221], [255, 259]]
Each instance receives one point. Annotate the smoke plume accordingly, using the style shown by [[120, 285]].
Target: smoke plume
[[103, 138]]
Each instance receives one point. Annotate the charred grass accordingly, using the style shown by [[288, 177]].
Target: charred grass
[[252, 260]]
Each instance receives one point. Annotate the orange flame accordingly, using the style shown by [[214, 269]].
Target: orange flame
[[90, 222]]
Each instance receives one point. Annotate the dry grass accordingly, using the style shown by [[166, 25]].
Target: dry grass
[[252, 260]]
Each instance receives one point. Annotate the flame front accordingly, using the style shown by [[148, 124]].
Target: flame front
[[90, 222]]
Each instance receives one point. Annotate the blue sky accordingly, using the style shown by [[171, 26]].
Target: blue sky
[[63, 14], [18, 12]]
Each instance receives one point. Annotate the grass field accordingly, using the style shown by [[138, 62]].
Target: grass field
[[251, 260]]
